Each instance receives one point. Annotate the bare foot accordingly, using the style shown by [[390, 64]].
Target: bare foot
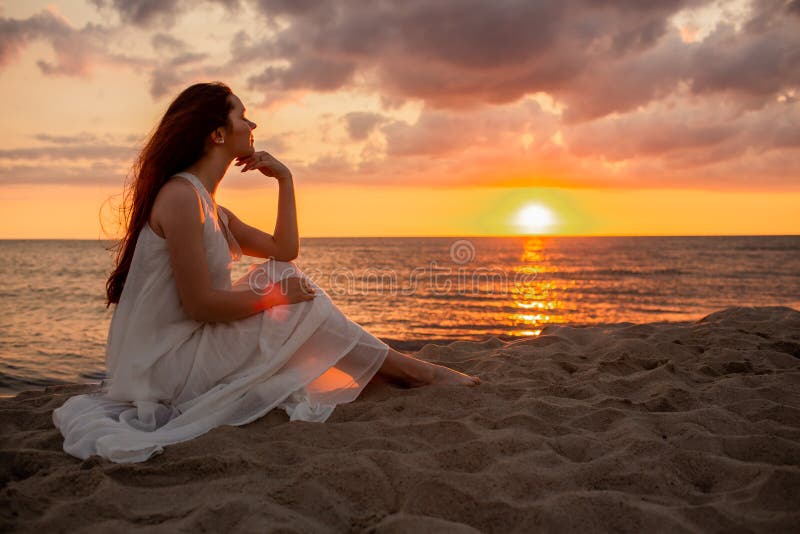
[[413, 372], [446, 376]]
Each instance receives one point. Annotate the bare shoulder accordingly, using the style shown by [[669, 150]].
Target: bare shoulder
[[177, 198]]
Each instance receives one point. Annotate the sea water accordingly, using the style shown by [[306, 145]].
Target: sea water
[[54, 321]]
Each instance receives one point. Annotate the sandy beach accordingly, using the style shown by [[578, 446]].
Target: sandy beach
[[662, 427]]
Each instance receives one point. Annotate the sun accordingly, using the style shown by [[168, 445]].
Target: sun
[[535, 219]]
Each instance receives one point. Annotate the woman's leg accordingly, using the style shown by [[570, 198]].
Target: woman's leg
[[397, 366], [413, 372]]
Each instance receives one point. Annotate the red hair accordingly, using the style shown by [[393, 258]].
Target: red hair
[[177, 143]]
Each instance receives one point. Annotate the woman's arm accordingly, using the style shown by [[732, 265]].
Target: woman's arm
[[178, 209], [284, 245]]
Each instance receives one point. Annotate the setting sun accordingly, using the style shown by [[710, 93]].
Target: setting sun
[[535, 219]]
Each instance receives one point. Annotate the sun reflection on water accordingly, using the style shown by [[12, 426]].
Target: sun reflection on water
[[538, 300]]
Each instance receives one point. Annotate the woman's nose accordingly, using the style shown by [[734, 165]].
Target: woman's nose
[[253, 125]]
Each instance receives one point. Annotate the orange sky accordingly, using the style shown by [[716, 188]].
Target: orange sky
[[604, 121]]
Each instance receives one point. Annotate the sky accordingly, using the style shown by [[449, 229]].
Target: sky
[[419, 117]]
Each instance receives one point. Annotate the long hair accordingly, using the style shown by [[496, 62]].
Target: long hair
[[177, 143]]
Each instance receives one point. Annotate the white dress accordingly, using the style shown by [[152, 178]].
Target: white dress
[[172, 378]]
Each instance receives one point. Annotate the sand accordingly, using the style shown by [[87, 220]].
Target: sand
[[691, 427]]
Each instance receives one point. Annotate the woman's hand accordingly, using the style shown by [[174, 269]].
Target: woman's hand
[[290, 290], [266, 163]]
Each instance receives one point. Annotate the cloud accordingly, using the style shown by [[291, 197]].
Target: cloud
[[73, 48], [95, 173], [361, 123], [82, 137], [597, 58], [165, 43], [314, 73], [15, 34], [72, 152], [637, 97], [143, 12], [682, 129], [441, 147], [678, 142], [639, 101], [456, 54], [85, 159], [442, 133], [753, 65], [172, 73], [147, 13], [69, 152]]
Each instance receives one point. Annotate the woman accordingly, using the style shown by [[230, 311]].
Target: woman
[[187, 349]]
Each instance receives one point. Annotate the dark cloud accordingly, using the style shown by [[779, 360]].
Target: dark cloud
[[67, 42], [596, 57], [165, 43], [148, 13], [73, 48], [754, 65], [14, 33], [361, 123], [622, 85], [76, 50], [638, 101], [315, 73], [455, 54], [629, 84], [314, 10], [143, 12]]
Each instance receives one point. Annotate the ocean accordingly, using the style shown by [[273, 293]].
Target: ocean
[[54, 322]]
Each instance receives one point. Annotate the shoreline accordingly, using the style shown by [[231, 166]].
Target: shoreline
[[414, 345]]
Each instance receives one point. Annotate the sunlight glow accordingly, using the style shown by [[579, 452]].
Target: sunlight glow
[[535, 219], [331, 380]]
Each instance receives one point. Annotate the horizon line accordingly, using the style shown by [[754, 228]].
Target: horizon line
[[448, 236]]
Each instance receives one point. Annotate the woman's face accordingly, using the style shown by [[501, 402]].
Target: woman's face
[[240, 137]]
